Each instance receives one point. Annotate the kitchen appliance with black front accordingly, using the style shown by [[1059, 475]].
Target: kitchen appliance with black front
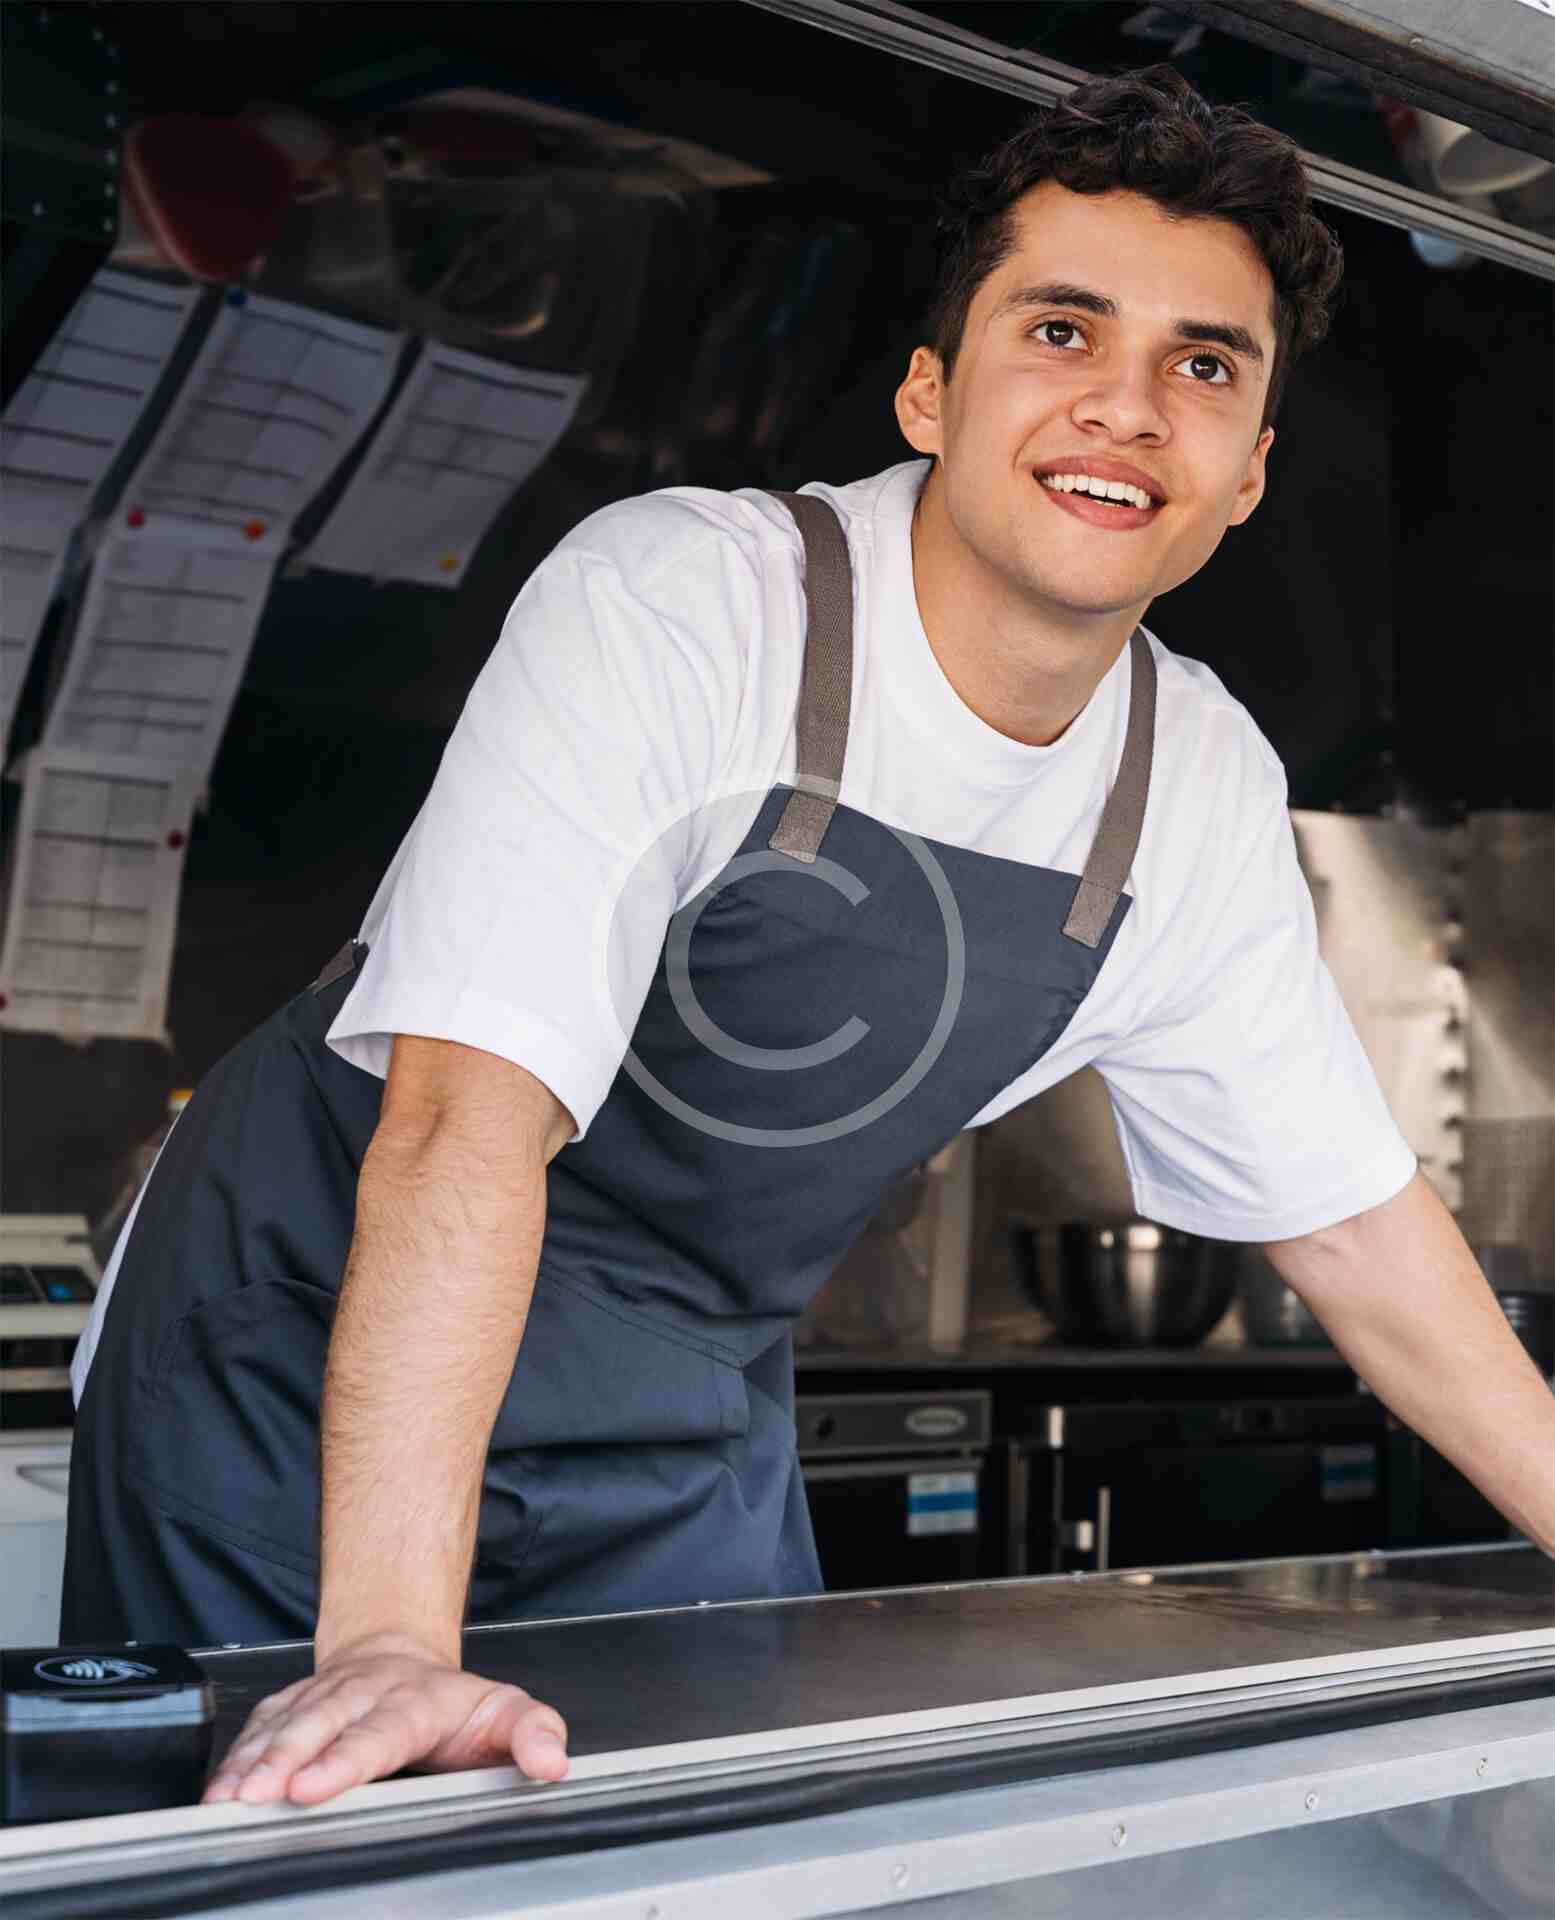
[[897, 1485], [1170, 1483], [48, 1280]]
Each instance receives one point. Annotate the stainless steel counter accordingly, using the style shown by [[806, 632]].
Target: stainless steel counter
[[822, 1756], [1036, 1356], [624, 1681]]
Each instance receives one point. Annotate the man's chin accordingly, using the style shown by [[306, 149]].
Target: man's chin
[[1088, 597]]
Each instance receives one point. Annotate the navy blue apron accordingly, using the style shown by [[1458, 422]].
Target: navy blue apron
[[826, 1014]]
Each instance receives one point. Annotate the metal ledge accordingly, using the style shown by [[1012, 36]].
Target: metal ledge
[[912, 35]]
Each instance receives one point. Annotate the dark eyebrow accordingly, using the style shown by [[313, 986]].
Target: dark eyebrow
[[1058, 293]]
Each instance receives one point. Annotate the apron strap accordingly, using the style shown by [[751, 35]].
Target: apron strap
[[1123, 817], [826, 683], [350, 956], [825, 699]]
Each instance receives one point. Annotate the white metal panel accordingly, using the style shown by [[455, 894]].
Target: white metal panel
[[34, 1482]]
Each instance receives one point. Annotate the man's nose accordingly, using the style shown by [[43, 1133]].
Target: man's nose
[[1125, 398]]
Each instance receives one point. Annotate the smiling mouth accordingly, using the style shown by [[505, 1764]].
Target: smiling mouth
[[1121, 516]]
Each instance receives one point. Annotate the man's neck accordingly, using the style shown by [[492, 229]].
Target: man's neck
[[1027, 672]]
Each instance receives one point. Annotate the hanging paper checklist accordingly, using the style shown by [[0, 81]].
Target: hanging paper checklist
[[94, 881], [465, 433], [74, 411], [63, 429], [276, 398], [159, 650], [32, 555]]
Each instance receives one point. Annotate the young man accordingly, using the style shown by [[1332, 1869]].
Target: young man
[[779, 840]]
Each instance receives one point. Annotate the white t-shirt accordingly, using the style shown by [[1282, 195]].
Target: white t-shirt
[[640, 704]]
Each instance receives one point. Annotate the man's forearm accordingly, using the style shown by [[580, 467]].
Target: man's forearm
[[1404, 1301], [431, 1313]]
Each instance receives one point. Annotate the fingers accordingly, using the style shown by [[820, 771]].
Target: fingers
[[387, 1737], [279, 1738], [507, 1724], [538, 1743], [342, 1729]]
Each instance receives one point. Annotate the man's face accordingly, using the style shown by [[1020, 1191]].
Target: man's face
[[1042, 379]]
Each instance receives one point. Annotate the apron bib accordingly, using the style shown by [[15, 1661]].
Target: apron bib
[[837, 1004]]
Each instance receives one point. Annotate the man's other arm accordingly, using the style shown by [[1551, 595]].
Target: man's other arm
[[1404, 1301]]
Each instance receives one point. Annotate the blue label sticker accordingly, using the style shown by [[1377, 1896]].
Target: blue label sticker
[[1348, 1473], [941, 1503]]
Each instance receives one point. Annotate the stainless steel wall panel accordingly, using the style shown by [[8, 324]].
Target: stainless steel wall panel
[[1386, 901]]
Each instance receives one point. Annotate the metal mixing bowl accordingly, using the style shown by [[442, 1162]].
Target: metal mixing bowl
[[1127, 1283], [1273, 1314]]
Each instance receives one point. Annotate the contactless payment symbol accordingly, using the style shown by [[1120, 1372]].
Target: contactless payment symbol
[[90, 1670]]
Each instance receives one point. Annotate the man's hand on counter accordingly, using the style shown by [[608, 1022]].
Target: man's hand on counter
[[450, 1214], [377, 1707]]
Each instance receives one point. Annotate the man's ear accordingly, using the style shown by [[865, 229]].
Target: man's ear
[[1250, 492], [918, 402]]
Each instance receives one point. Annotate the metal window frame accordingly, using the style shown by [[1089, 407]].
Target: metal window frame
[[871, 1856], [910, 35]]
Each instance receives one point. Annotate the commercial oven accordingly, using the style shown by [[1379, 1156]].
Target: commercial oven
[[897, 1486], [1151, 1484]]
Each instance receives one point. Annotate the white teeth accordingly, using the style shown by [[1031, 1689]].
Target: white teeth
[[1098, 489]]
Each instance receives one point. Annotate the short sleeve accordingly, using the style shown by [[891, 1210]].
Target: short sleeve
[[1246, 1106], [525, 911]]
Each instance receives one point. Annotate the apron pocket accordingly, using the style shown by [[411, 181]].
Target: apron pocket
[[592, 1371], [228, 1433], [618, 1528]]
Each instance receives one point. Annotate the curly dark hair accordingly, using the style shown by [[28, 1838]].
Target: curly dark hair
[[1151, 132]]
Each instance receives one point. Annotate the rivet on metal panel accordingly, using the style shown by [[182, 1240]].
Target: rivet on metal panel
[[1119, 1836], [1311, 1803], [900, 1876]]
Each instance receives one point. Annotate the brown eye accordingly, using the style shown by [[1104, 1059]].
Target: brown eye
[[1068, 325], [1212, 360]]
